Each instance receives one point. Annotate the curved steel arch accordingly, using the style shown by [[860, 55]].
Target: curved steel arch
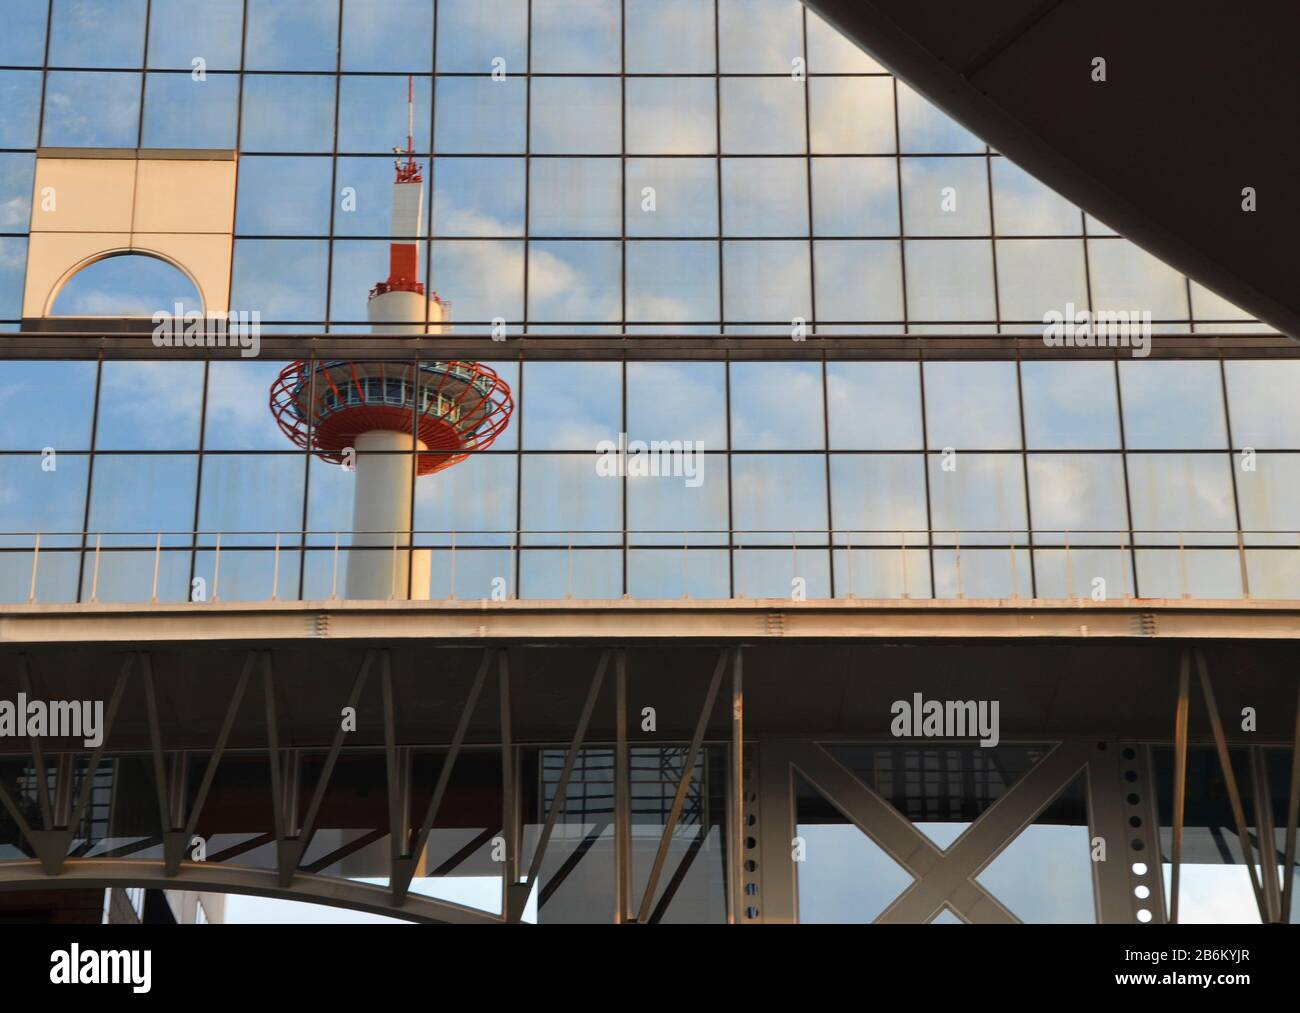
[[124, 872], [47, 813]]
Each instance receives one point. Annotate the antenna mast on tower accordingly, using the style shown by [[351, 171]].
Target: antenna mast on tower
[[409, 172]]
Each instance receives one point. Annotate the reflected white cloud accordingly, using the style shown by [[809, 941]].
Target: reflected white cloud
[[851, 115], [759, 36]]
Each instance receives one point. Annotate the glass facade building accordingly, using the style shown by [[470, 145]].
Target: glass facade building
[[592, 173], [711, 237], [621, 166], [864, 479]]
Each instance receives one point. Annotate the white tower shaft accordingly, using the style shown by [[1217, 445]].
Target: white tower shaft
[[381, 517]]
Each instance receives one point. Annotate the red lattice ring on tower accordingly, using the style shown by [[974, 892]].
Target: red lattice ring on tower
[[462, 407]]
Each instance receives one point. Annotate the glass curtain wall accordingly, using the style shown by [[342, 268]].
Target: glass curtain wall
[[820, 478], [608, 166]]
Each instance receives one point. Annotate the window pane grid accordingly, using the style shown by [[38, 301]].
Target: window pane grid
[[890, 508], [305, 82]]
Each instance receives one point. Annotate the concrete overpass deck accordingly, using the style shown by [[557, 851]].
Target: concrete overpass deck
[[726, 620]]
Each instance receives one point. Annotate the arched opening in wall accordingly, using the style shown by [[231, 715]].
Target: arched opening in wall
[[125, 287]]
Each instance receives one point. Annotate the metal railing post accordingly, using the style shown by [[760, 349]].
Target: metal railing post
[[334, 583], [216, 569], [956, 538], [94, 577], [392, 584], [794, 562], [845, 589], [451, 581], [36, 560], [902, 552], [275, 576], [1069, 569], [1241, 559], [1126, 561], [157, 558]]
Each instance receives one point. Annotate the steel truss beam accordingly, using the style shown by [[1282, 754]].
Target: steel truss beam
[[520, 892], [1267, 840], [941, 878], [61, 815], [1265, 892], [405, 860], [291, 850], [1272, 896], [645, 911], [176, 841], [1230, 782], [180, 818]]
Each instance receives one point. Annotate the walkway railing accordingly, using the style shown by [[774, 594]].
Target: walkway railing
[[1103, 565]]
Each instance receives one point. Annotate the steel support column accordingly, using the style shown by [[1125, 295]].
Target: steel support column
[[1112, 879], [683, 785], [509, 799], [1292, 811], [1180, 780], [736, 812], [622, 796]]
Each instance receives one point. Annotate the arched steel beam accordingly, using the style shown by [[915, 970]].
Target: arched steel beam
[[83, 873]]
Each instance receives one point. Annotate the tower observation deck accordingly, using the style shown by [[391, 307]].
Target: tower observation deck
[[376, 414]]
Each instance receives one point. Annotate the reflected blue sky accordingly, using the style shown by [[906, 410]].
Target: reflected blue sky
[[1044, 875], [180, 30], [721, 202], [183, 113], [97, 109], [572, 243], [128, 285], [98, 33], [660, 134], [23, 41], [827, 895]]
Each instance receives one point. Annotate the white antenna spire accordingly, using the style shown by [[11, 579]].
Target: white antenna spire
[[410, 113]]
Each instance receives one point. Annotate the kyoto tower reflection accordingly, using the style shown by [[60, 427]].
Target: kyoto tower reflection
[[373, 415]]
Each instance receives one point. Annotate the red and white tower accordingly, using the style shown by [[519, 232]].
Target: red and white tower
[[377, 413], [398, 305]]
